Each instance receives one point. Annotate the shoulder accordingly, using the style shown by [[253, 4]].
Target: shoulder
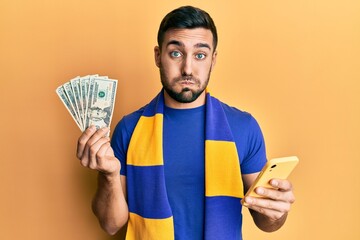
[[239, 118], [248, 139], [128, 122], [122, 135]]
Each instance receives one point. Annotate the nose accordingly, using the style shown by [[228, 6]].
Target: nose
[[187, 66]]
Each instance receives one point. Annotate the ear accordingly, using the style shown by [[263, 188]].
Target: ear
[[213, 60], [157, 56]]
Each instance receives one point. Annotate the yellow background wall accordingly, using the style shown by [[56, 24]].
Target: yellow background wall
[[293, 64]]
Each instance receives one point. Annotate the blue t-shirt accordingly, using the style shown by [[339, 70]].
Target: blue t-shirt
[[184, 145]]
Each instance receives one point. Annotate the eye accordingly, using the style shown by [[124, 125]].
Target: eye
[[175, 54], [200, 56]]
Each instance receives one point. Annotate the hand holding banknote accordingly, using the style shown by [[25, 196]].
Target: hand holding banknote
[[90, 101], [94, 151]]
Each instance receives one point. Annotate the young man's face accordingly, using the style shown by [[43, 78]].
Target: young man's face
[[186, 59]]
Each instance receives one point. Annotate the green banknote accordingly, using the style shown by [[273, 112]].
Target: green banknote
[[90, 100]]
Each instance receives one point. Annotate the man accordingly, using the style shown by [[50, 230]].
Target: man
[[178, 167]]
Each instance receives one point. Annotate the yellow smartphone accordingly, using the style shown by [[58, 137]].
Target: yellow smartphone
[[275, 168]]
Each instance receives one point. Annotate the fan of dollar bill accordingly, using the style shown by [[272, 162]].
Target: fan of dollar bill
[[90, 100]]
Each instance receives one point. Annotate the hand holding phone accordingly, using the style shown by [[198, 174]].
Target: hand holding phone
[[279, 168]]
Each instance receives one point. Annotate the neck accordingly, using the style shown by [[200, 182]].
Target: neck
[[170, 102]]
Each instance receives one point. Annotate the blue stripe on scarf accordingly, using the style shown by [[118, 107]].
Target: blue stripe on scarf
[[155, 106], [222, 223], [152, 203], [218, 128]]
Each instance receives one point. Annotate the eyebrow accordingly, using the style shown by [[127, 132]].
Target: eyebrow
[[180, 44]]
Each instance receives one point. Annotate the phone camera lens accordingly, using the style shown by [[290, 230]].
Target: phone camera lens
[[273, 166]]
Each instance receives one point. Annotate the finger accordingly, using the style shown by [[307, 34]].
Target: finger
[[102, 132], [103, 159], [276, 194], [85, 157], [262, 203], [96, 135], [94, 151], [106, 161], [83, 139], [101, 154], [270, 213], [281, 184], [92, 140]]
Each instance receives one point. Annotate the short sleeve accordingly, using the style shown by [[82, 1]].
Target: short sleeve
[[254, 157], [121, 137], [248, 138]]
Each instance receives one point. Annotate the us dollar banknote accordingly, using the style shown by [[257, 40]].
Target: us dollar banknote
[[90, 100], [65, 100]]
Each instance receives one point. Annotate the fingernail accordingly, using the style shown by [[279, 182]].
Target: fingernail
[[248, 200], [92, 128], [274, 183], [260, 191]]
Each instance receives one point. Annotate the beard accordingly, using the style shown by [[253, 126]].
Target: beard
[[186, 94]]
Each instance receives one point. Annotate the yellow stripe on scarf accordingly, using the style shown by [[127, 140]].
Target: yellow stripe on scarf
[[145, 148], [222, 169], [140, 228]]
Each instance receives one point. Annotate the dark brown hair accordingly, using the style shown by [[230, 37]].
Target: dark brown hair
[[187, 17]]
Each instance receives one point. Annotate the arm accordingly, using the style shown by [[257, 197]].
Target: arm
[[109, 203], [269, 213]]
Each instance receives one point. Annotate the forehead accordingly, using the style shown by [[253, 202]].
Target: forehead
[[189, 37]]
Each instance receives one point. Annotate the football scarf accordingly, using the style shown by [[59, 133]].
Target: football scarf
[[150, 213]]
